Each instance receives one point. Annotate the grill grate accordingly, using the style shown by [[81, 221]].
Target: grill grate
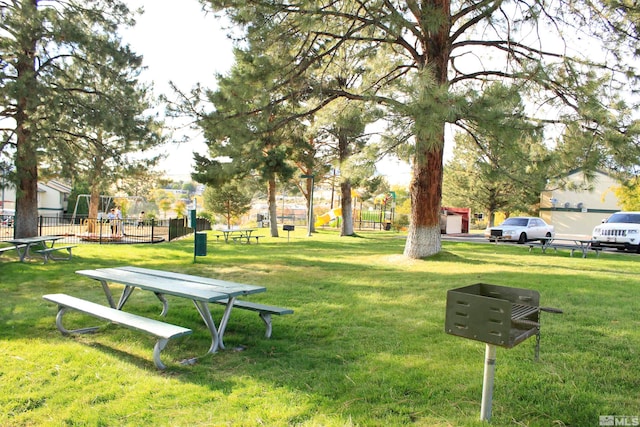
[[519, 311]]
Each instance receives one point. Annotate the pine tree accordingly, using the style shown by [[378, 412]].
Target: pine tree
[[69, 89]]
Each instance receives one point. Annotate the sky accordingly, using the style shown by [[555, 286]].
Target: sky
[[185, 45]]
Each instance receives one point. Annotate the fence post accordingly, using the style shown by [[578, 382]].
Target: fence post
[[153, 222], [40, 221]]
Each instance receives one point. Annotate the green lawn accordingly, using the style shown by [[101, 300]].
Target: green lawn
[[365, 347]]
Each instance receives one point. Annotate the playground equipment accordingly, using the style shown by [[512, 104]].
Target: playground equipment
[[94, 226], [328, 217], [105, 203], [380, 216], [386, 201]]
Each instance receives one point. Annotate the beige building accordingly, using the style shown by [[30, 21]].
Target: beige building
[[576, 212], [52, 198]]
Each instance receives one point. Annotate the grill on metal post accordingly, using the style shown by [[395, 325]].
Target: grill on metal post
[[288, 229], [498, 316]]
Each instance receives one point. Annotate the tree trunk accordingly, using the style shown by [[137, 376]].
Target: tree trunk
[[273, 214], [426, 184], [26, 218], [94, 199], [309, 195], [426, 193], [347, 209]]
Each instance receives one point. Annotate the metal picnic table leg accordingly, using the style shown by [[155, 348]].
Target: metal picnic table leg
[[24, 253], [107, 292], [165, 304], [225, 319], [126, 292], [205, 313]]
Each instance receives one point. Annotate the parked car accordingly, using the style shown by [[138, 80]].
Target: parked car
[[6, 217], [621, 231], [520, 229]]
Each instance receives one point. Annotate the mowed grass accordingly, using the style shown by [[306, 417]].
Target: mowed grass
[[365, 347]]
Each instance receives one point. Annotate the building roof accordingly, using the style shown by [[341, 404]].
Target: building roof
[[56, 185]]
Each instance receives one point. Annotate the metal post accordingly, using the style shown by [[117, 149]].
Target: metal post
[[487, 382], [311, 206], [3, 185], [193, 221], [310, 202]]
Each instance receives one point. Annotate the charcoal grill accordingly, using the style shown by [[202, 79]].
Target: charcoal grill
[[288, 229], [498, 316]]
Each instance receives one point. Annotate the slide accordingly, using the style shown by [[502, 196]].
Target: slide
[[328, 217]]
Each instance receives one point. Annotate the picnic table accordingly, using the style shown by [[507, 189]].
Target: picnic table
[[243, 233], [201, 290], [25, 245], [582, 245], [162, 283], [573, 244]]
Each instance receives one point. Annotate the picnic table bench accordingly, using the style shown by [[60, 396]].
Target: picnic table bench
[[161, 330], [11, 248], [543, 245], [584, 246], [264, 311], [244, 237], [47, 253]]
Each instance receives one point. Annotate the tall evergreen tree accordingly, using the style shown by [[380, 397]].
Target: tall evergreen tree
[[341, 127], [69, 92], [247, 138]]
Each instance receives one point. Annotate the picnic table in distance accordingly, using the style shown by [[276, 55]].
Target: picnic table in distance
[[571, 243], [25, 245], [242, 232]]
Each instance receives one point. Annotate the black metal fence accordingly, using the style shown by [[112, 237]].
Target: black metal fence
[[179, 227], [103, 231]]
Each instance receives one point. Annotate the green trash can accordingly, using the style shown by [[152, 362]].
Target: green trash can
[[201, 244]]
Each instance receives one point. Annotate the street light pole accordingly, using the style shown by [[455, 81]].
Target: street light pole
[[3, 181], [310, 202]]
